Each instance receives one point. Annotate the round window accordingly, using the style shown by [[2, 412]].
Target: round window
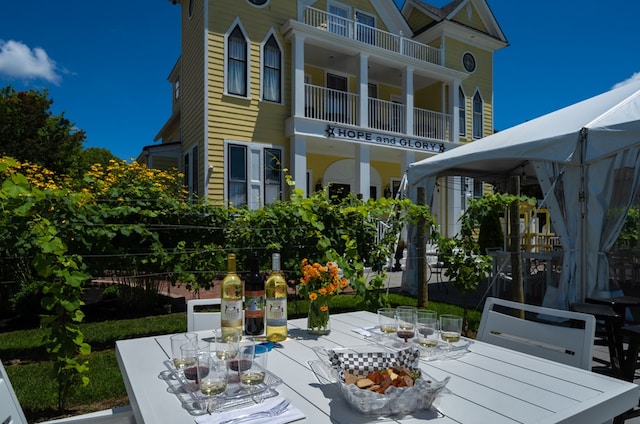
[[469, 62], [258, 2]]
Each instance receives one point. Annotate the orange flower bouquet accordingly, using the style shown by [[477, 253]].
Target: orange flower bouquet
[[318, 284]]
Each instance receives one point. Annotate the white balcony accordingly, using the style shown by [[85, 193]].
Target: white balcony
[[353, 30], [325, 104]]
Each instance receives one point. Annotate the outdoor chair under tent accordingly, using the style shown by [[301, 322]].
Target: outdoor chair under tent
[[554, 334], [11, 411]]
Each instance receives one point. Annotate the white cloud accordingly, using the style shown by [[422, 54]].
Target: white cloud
[[19, 61], [632, 78]]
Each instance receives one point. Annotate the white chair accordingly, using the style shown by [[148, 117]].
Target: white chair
[[558, 335], [11, 411], [205, 320]]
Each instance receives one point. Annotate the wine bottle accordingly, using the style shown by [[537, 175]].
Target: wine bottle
[[276, 303], [231, 302], [254, 299]]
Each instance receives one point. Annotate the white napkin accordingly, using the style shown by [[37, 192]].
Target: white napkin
[[291, 414], [367, 332]]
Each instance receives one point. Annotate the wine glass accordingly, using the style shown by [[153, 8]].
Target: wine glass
[[427, 331], [212, 379], [227, 346], [387, 320], [177, 340], [192, 352], [406, 323], [450, 329]]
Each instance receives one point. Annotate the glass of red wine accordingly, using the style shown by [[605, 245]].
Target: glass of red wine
[[191, 352], [406, 323]]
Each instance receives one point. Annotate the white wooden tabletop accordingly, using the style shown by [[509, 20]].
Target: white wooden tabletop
[[488, 384]]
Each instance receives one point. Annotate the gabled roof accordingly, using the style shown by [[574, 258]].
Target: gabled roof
[[448, 13]]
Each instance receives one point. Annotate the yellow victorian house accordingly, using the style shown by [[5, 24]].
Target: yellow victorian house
[[341, 95]]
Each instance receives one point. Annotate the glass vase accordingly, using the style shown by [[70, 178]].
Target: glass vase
[[318, 322]]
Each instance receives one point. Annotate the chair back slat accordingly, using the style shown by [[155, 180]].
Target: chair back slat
[[554, 334]]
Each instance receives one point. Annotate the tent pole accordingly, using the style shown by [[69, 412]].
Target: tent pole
[[583, 224]]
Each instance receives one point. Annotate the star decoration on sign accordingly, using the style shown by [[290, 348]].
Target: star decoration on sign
[[329, 131]]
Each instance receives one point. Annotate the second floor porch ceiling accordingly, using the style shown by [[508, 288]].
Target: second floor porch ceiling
[[333, 42]]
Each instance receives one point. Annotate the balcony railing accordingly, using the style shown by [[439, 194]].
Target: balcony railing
[[427, 123], [387, 116], [326, 104], [369, 35]]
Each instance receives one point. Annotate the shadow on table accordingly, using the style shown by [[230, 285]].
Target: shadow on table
[[302, 334], [339, 406]]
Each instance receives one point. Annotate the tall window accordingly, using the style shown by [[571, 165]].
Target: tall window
[[237, 175], [272, 175], [190, 169], [237, 63], [462, 111], [272, 71], [477, 116]]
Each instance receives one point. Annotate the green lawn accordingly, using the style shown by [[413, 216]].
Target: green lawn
[[25, 359]]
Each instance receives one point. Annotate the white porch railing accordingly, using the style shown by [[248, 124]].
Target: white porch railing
[[427, 123], [373, 36], [387, 116], [327, 104]]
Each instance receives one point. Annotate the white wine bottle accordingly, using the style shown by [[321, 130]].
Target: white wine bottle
[[231, 302], [276, 303]]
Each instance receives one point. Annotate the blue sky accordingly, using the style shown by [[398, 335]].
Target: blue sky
[[106, 63]]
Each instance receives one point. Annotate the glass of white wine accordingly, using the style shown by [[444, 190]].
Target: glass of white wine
[[212, 378], [387, 320], [450, 329], [226, 346], [177, 340], [252, 364]]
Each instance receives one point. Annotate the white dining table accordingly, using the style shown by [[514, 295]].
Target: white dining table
[[488, 384]]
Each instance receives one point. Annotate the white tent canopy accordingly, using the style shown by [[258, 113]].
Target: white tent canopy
[[586, 157]]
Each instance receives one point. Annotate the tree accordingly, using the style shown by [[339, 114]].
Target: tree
[[91, 156], [30, 132]]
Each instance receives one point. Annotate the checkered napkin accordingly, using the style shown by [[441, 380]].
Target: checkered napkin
[[363, 363]]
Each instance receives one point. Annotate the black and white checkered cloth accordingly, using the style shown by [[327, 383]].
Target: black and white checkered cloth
[[364, 363]]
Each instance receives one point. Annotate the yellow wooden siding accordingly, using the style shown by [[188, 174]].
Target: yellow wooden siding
[[418, 20], [245, 119], [481, 79], [474, 22], [191, 84], [429, 98]]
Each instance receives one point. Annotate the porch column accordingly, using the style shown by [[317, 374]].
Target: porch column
[[363, 90], [407, 92], [298, 161], [297, 105], [363, 170], [407, 158], [454, 101]]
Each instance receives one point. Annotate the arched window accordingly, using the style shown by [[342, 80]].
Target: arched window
[[462, 113], [477, 116], [237, 63], [272, 71]]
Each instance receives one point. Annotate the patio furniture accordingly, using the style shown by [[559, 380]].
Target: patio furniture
[[202, 320], [489, 384], [612, 322], [558, 335], [11, 411]]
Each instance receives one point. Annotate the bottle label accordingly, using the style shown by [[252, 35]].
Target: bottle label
[[254, 304], [276, 312], [231, 313]]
